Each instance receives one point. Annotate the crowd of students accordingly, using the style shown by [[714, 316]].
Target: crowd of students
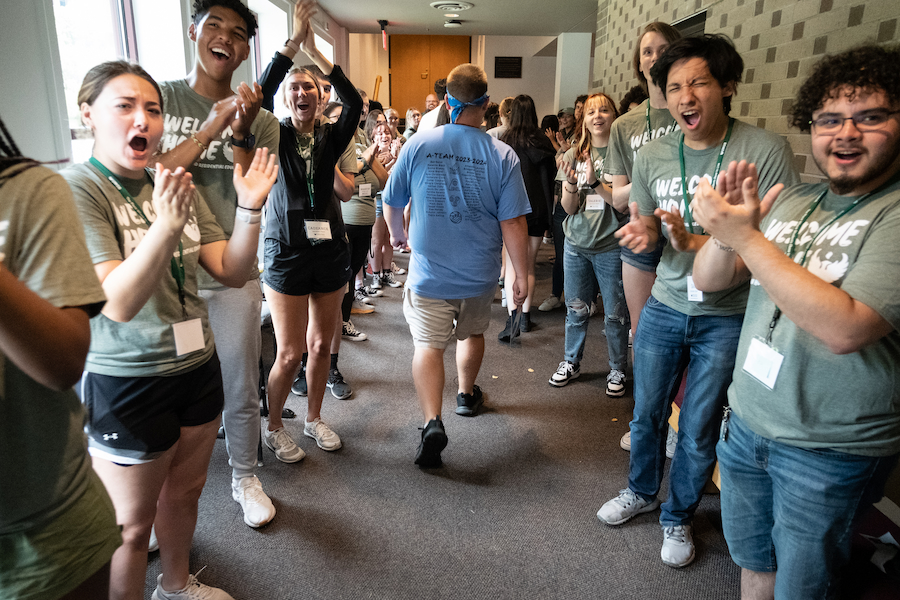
[[771, 299]]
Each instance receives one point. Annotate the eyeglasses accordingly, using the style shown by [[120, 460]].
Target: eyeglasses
[[866, 121]]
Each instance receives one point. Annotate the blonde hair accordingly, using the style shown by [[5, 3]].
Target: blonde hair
[[598, 100]]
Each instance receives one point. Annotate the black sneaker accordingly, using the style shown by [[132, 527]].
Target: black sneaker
[[467, 405], [299, 385], [434, 439]]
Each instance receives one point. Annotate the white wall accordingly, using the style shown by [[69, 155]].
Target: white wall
[[538, 73], [368, 59], [31, 96]]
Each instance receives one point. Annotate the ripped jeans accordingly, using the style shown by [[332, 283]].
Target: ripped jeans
[[580, 269]]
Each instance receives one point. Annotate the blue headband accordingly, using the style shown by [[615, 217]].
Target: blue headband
[[457, 106]]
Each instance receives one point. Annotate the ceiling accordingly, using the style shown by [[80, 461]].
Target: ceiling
[[486, 17]]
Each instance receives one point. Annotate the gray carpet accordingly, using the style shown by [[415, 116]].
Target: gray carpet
[[512, 514]]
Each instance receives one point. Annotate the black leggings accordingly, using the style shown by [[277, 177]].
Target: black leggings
[[360, 237]]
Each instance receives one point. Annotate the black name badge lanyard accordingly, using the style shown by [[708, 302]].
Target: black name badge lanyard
[[177, 265], [317, 230]]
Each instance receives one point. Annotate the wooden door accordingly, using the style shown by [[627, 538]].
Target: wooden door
[[417, 61]]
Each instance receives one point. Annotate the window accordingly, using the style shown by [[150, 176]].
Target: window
[[160, 38], [88, 35], [90, 32]]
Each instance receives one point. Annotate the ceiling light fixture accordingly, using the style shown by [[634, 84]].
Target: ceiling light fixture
[[451, 6], [452, 23], [451, 15]]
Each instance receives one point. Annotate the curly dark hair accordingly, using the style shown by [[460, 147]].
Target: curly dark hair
[[635, 95], [201, 7], [868, 67], [724, 62]]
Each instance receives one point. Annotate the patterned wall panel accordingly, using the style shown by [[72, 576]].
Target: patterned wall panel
[[779, 40]]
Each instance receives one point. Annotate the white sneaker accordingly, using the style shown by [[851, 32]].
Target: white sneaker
[[671, 442], [153, 546], [397, 270], [624, 506], [678, 546], [549, 304], [194, 590], [625, 442], [325, 438], [615, 384], [565, 373], [258, 508], [282, 444]]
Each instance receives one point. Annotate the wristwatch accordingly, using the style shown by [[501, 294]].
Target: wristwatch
[[248, 142]]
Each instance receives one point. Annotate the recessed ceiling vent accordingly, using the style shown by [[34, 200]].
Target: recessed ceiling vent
[[445, 6]]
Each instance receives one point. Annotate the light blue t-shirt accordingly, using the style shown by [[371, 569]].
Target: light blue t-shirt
[[462, 183]]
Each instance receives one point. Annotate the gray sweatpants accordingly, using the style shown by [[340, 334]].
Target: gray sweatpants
[[234, 318]]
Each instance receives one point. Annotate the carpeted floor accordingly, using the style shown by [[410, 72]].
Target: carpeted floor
[[512, 514]]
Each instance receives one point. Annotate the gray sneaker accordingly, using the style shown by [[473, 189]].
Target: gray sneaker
[[340, 389], [282, 444], [671, 442], [624, 506]]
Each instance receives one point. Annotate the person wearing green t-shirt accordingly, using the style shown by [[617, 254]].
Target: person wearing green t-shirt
[[153, 384], [58, 527], [209, 128], [814, 426], [681, 327], [591, 249]]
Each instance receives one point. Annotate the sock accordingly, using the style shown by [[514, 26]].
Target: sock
[[334, 358]]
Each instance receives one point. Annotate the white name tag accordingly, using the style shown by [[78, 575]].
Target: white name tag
[[365, 190], [188, 337], [694, 295], [595, 202], [317, 229], [763, 362]]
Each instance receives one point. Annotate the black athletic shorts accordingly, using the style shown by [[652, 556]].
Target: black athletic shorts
[[319, 269], [133, 420]]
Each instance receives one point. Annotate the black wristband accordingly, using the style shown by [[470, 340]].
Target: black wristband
[[250, 209], [594, 185]]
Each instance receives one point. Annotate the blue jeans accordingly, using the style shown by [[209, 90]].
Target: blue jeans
[[580, 268], [665, 343], [794, 504]]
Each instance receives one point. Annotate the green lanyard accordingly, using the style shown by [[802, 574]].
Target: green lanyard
[[793, 243], [689, 219], [310, 172], [602, 163], [177, 266]]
